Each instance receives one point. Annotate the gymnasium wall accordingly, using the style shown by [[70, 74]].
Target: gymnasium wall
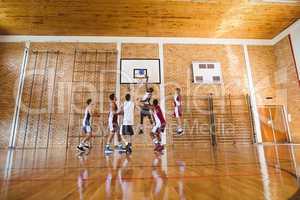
[[287, 84], [137, 91], [11, 56], [263, 63], [178, 73], [273, 71], [274, 75], [59, 79], [178, 59], [177, 66]]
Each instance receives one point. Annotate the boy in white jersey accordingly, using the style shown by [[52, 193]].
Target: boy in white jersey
[[113, 125], [86, 127], [128, 120], [177, 100]]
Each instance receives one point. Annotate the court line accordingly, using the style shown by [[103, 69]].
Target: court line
[[141, 166], [143, 178]]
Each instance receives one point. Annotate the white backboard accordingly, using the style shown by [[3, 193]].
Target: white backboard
[[132, 70]]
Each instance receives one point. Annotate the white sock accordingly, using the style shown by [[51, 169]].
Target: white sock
[[155, 141]]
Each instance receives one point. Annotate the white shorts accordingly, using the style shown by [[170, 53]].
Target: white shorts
[[176, 112], [158, 126], [87, 129]]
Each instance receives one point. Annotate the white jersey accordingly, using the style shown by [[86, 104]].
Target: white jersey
[[128, 113], [87, 118], [177, 100], [146, 98]]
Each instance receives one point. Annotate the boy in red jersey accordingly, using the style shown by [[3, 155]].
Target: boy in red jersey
[[177, 100], [160, 124]]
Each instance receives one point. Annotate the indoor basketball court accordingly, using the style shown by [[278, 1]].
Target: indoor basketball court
[[150, 99]]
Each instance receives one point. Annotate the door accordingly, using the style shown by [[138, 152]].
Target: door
[[273, 124]]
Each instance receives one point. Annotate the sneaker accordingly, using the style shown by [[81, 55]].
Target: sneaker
[[129, 148], [179, 131], [119, 147], [159, 147], [108, 150], [86, 146], [79, 148]]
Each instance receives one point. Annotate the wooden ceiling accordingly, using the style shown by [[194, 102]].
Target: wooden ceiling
[[169, 18]]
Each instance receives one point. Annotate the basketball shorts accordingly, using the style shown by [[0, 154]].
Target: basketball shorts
[[158, 127], [113, 126], [146, 113], [127, 130], [87, 129], [177, 112]]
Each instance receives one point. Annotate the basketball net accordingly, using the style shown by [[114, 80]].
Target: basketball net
[[139, 83]]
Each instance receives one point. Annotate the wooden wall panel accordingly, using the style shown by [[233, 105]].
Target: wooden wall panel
[[178, 61], [263, 63], [287, 85], [62, 98], [11, 55], [274, 74], [136, 90], [178, 73]]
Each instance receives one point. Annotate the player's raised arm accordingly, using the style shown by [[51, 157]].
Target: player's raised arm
[[146, 84]]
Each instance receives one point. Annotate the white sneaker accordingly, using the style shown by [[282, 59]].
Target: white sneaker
[[179, 131]]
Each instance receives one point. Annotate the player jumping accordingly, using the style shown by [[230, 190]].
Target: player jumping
[[145, 107]]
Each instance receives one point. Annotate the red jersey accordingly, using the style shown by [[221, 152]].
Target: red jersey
[[158, 115]]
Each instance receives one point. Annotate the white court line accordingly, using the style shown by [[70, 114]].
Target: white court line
[[264, 171]]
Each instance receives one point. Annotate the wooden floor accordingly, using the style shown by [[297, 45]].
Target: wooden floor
[[183, 172]]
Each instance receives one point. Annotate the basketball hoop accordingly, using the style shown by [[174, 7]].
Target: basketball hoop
[[141, 80]]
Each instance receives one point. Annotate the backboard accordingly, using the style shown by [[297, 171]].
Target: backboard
[[133, 70]]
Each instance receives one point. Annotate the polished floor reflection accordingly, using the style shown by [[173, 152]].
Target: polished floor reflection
[[182, 172]]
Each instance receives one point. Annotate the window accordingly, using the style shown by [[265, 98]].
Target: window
[[199, 79], [210, 66], [216, 79], [202, 66]]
